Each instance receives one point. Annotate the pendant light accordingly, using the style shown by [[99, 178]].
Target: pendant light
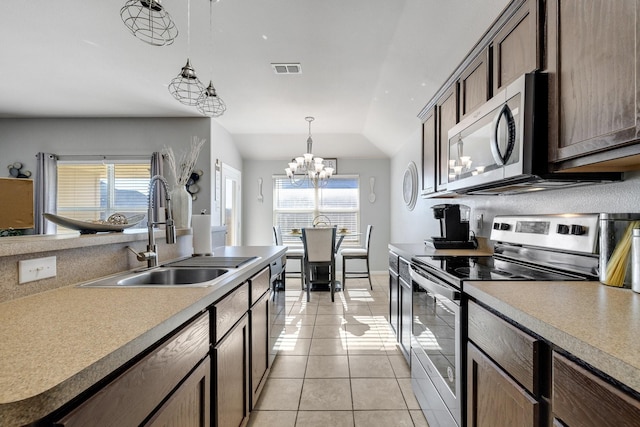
[[149, 21], [209, 103], [186, 87]]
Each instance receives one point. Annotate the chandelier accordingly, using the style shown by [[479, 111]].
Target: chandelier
[[308, 169]]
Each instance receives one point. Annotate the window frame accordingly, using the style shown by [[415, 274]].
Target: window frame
[[110, 177], [289, 240]]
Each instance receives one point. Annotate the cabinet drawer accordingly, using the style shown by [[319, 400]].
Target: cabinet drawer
[[582, 399], [514, 350], [259, 285], [228, 311], [131, 397], [393, 262]]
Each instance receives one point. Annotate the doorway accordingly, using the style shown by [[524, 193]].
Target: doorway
[[231, 206]]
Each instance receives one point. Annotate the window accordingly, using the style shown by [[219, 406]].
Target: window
[[296, 207], [95, 190]]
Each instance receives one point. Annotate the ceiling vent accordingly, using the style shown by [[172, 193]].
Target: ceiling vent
[[284, 68]]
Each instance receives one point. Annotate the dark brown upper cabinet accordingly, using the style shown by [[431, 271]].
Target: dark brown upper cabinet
[[447, 117], [593, 84], [475, 84], [429, 153], [516, 48]]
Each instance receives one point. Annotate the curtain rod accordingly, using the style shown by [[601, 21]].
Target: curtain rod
[[101, 157]]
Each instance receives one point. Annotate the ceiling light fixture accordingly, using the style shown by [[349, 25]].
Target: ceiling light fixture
[[149, 21], [209, 103], [186, 87], [308, 169]]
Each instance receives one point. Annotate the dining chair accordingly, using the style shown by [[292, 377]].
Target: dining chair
[[319, 258], [357, 253], [292, 254]]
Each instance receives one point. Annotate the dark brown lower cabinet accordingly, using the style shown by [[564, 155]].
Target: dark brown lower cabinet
[[135, 395], [189, 405], [231, 394], [493, 398], [259, 346], [581, 399]]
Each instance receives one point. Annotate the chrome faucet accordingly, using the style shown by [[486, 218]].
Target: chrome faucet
[[151, 254]]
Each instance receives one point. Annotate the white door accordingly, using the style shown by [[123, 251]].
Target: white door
[[231, 197]]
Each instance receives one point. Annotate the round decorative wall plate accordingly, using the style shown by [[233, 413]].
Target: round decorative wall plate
[[410, 186]]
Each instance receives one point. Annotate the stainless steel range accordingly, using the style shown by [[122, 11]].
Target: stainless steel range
[[527, 248]]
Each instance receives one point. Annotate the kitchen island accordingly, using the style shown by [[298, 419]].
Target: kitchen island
[[60, 343]]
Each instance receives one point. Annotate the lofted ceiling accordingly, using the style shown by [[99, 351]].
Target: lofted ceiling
[[368, 66]]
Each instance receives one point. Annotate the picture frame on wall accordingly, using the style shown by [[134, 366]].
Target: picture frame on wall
[[331, 163]]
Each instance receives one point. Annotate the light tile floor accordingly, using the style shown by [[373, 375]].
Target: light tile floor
[[338, 363]]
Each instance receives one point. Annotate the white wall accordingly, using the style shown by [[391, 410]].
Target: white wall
[[258, 216], [414, 227], [21, 139]]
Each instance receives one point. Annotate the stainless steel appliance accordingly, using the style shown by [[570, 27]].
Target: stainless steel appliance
[[538, 248], [501, 148]]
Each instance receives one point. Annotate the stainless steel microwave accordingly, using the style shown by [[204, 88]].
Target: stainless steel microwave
[[502, 147]]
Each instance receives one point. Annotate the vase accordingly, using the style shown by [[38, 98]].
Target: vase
[[181, 206]]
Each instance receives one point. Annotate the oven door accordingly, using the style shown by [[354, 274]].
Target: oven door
[[436, 369]]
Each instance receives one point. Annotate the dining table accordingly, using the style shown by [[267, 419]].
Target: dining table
[[323, 272]]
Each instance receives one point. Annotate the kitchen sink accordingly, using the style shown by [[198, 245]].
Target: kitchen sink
[[163, 276]]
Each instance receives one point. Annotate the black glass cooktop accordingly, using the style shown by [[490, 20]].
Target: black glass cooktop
[[486, 268]]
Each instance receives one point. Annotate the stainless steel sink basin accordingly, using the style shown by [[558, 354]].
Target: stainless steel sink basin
[[164, 276], [173, 276]]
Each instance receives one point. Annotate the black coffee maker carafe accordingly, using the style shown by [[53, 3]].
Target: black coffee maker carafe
[[454, 227]]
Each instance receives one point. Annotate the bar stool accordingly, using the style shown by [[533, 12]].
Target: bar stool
[[293, 254], [357, 253], [319, 258]]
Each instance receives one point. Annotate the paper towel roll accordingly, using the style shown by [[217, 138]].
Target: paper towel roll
[[201, 225]]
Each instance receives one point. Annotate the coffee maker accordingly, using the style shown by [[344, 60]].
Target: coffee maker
[[454, 227]]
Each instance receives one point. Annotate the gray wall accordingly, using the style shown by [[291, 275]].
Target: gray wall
[[258, 216], [415, 226], [21, 139]]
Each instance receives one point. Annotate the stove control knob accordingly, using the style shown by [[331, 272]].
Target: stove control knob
[[578, 230], [504, 226], [563, 229]]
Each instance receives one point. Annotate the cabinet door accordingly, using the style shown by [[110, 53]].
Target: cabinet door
[[474, 84], [582, 399], [447, 107], [429, 153], [232, 377], [134, 395], [394, 285], [493, 398], [259, 346], [189, 405], [516, 49], [592, 64]]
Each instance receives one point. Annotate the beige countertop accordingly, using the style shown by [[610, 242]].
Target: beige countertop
[[56, 344], [596, 323]]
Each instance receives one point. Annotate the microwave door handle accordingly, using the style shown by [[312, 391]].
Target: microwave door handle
[[500, 158]]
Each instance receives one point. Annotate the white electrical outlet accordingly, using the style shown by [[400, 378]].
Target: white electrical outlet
[[36, 269], [479, 221]]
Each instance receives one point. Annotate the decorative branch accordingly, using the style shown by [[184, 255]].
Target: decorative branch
[[184, 166]]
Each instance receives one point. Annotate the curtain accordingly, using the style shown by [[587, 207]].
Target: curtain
[[46, 192], [158, 198]]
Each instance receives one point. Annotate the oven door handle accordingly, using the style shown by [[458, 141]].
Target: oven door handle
[[434, 287]]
